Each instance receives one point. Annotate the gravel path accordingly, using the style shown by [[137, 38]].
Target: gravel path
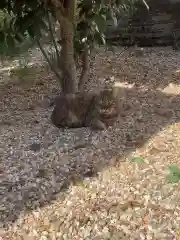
[[78, 184]]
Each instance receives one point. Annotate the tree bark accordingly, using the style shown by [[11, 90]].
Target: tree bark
[[65, 14], [69, 81]]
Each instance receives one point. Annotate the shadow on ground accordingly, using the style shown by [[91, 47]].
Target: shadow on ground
[[32, 179]]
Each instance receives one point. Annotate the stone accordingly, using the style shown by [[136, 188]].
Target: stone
[[35, 147]]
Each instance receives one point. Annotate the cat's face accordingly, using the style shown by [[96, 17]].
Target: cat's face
[[106, 98]]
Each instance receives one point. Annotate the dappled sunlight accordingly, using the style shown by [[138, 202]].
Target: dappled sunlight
[[153, 70], [82, 177], [15, 66], [123, 85], [177, 71], [172, 88]]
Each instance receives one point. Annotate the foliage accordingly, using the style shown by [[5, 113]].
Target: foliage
[[21, 23], [174, 175], [93, 17], [25, 23], [127, 8], [138, 160], [7, 32]]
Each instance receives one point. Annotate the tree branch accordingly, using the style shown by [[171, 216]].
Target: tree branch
[[85, 70], [53, 39], [49, 62], [59, 6], [145, 3]]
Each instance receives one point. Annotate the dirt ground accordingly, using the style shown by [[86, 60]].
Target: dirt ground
[[114, 185]]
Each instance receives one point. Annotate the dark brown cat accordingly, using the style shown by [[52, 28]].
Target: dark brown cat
[[86, 110]]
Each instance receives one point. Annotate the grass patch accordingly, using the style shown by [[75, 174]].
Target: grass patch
[[138, 160], [174, 174]]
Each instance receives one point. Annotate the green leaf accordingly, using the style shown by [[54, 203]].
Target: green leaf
[[138, 160], [174, 169], [173, 178], [174, 175], [100, 21]]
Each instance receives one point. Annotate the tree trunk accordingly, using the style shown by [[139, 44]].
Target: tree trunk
[[65, 13], [69, 81]]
